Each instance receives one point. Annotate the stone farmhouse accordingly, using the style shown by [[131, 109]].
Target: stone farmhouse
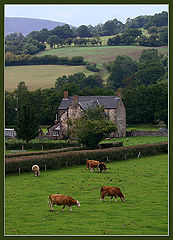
[[71, 107]]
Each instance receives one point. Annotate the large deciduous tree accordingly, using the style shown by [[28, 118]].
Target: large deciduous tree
[[26, 126], [92, 127], [123, 67]]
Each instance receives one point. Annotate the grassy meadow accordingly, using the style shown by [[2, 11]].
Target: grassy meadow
[[144, 182], [102, 54], [38, 76], [44, 76]]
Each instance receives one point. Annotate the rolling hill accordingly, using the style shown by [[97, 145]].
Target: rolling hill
[[27, 25]]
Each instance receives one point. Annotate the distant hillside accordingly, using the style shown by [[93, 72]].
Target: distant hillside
[[27, 25]]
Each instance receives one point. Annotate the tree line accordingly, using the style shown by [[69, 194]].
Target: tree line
[[60, 36], [27, 59], [132, 36], [144, 86]]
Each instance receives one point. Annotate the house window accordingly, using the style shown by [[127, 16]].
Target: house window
[[56, 131]]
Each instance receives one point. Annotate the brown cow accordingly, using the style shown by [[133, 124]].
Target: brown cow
[[64, 200], [91, 164], [111, 192]]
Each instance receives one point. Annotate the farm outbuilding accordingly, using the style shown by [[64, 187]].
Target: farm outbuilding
[[10, 133], [71, 107]]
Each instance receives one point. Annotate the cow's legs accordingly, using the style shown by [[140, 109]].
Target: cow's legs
[[115, 198], [70, 209], [51, 206], [102, 197], [111, 198], [63, 208]]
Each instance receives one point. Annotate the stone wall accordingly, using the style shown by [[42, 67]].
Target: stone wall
[[147, 133]]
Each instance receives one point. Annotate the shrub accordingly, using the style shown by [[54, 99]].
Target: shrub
[[58, 160], [39, 145]]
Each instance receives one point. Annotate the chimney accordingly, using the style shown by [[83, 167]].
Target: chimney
[[118, 93], [56, 120], [75, 99], [65, 95]]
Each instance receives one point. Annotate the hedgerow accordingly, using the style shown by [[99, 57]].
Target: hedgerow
[[39, 145], [20, 154], [62, 159]]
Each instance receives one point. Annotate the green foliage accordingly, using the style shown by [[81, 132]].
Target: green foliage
[[80, 80], [150, 67], [83, 31], [92, 67], [27, 126], [10, 105], [59, 160], [140, 109], [123, 67], [12, 59], [46, 145], [18, 44], [92, 127], [111, 27]]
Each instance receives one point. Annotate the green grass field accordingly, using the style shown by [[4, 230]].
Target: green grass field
[[44, 76], [144, 182], [38, 76], [102, 54]]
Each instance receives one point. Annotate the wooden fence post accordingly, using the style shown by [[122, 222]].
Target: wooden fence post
[[19, 170], [45, 167]]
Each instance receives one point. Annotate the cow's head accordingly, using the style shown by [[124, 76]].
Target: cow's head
[[102, 166], [122, 198], [77, 203]]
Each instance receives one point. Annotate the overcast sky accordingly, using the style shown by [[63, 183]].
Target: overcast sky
[[86, 14]]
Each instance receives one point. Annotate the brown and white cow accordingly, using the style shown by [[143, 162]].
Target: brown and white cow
[[111, 192], [92, 164], [64, 200], [88, 163]]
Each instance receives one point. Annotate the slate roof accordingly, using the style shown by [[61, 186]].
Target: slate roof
[[91, 101]]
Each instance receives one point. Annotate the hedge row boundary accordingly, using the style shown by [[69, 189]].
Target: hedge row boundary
[[21, 154], [64, 159], [39, 145]]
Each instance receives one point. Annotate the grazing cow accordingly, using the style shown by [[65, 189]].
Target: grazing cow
[[91, 164], [111, 192], [36, 170], [64, 200], [102, 166], [88, 163]]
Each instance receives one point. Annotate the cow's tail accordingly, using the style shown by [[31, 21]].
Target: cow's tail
[[48, 200]]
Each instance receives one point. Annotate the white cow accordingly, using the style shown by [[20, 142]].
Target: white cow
[[36, 170]]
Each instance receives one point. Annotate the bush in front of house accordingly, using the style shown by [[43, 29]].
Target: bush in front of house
[[63, 159]]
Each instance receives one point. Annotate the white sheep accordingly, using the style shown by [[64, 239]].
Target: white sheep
[[36, 170]]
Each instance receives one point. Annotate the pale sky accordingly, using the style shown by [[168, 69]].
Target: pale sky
[[79, 14]]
